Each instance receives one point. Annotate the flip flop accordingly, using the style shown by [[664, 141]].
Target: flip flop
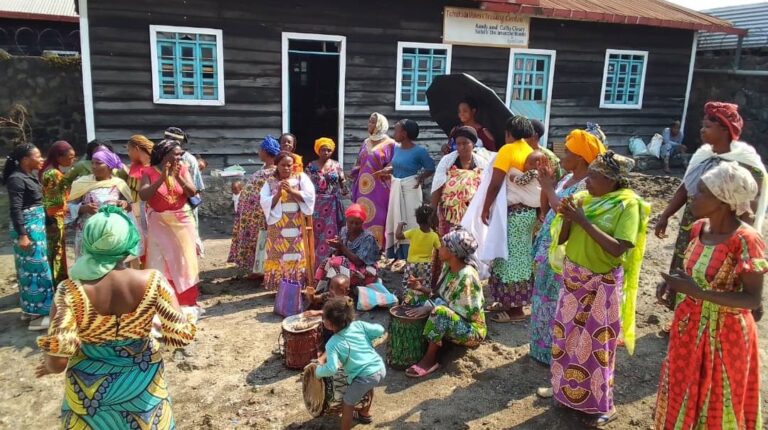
[[416, 371], [495, 307], [362, 419], [503, 318], [601, 421]]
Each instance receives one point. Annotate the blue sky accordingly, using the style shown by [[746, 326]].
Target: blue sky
[[708, 4]]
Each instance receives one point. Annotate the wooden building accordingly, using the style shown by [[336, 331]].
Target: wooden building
[[232, 71]]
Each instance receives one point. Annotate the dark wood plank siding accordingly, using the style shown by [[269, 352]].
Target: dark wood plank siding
[[579, 69]]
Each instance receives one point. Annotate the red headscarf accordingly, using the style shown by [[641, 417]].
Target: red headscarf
[[727, 114], [58, 149], [356, 211]]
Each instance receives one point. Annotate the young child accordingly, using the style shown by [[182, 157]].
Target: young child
[[337, 287], [351, 347], [237, 188], [523, 187], [424, 242]]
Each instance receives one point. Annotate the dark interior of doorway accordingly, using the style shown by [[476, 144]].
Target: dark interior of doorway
[[314, 93]]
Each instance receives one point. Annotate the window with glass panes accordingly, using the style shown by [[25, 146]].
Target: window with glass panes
[[419, 67], [624, 79], [187, 66], [530, 77]]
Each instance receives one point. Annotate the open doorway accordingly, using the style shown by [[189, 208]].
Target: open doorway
[[313, 90]]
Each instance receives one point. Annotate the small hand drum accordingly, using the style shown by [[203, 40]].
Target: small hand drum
[[324, 396], [407, 344], [300, 340]]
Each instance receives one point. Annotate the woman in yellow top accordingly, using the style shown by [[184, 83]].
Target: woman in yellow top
[[511, 281], [100, 333]]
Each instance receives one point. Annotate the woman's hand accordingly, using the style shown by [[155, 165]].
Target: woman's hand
[[419, 312], [546, 176], [680, 282], [24, 242], [445, 149], [415, 283], [176, 170], [661, 227], [41, 369], [122, 204], [665, 296], [88, 209], [572, 211], [335, 243]]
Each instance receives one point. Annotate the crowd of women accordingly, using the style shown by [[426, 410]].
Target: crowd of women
[[565, 237]]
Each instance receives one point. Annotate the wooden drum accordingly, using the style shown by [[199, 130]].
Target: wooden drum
[[300, 340], [407, 344], [324, 396]]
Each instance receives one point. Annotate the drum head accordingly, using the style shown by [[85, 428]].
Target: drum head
[[399, 313], [299, 323], [314, 391]]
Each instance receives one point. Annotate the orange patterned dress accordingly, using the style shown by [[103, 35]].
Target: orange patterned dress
[[711, 376], [115, 377]]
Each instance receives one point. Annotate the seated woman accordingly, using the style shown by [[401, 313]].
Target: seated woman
[[356, 252], [100, 333], [457, 313]]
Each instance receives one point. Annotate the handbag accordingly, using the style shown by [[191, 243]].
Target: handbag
[[288, 300], [194, 201]]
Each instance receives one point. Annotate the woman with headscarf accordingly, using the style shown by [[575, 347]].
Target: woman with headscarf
[[249, 231], [713, 380], [328, 177], [165, 187], [602, 231], [30, 251], [287, 199], [456, 313], [83, 167], [100, 333], [61, 156], [467, 111], [581, 149], [100, 188], [720, 132], [356, 252], [411, 166], [370, 187]]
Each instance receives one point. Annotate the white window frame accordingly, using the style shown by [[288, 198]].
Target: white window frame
[[153, 30], [639, 105], [399, 77], [550, 85]]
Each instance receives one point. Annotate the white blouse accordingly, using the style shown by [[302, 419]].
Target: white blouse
[[306, 189]]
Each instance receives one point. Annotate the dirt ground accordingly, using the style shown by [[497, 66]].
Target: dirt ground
[[230, 378]]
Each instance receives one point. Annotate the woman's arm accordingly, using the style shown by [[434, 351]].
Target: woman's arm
[[186, 183], [437, 195], [149, 188], [750, 297], [565, 232], [16, 191], [399, 231], [611, 245], [351, 256], [677, 202]]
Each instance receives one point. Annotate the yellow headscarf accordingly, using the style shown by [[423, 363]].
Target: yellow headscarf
[[324, 141], [585, 145]]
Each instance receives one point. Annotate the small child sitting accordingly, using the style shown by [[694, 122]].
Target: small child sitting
[[337, 287], [351, 347], [523, 188], [424, 242], [237, 188]]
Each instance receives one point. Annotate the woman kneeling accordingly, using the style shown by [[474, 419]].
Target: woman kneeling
[[457, 311]]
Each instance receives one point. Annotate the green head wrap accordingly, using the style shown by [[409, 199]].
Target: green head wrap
[[109, 237]]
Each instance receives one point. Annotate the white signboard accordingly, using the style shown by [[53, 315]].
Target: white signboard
[[485, 28]]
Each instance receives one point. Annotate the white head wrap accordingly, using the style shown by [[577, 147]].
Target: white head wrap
[[732, 184], [382, 125]]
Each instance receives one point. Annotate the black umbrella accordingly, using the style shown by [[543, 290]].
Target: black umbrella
[[447, 91]]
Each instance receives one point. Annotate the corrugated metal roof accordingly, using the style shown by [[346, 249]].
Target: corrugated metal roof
[[753, 17], [657, 13], [54, 10]]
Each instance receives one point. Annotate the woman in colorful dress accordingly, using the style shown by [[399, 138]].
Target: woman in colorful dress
[[603, 232], [100, 333], [165, 187], [30, 251], [720, 131], [356, 252], [581, 148], [467, 111], [370, 188], [711, 376], [328, 177], [61, 156], [249, 231], [83, 167], [457, 313], [287, 199], [91, 192], [139, 153]]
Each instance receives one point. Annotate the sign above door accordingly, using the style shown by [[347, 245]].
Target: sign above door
[[485, 28]]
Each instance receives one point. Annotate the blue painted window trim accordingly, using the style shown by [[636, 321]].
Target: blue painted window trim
[[624, 79], [419, 68], [530, 80], [190, 77]]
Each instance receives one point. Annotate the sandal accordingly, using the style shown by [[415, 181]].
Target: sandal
[[417, 371], [495, 307], [600, 421], [362, 419], [504, 317]]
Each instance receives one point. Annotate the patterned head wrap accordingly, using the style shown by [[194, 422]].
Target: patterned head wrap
[[109, 158], [324, 142], [732, 184], [176, 133], [595, 130], [727, 114], [613, 166], [356, 211], [467, 132], [382, 126], [270, 145], [142, 143], [108, 238], [584, 144], [461, 243]]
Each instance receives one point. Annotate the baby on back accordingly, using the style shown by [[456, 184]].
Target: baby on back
[[523, 188]]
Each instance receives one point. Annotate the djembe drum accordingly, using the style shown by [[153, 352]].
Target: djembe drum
[[407, 344], [324, 396], [300, 340]]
